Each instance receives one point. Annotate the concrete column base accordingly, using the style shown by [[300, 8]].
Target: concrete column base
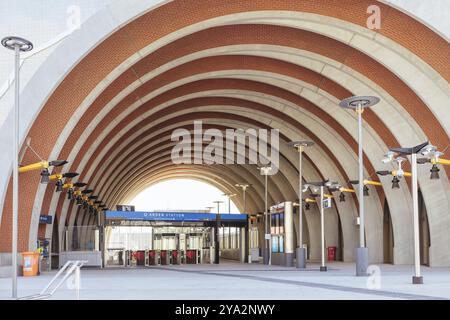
[[417, 280], [301, 258], [362, 261], [323, 268]]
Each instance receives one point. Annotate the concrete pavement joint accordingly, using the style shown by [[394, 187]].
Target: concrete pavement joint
[[390, 294]]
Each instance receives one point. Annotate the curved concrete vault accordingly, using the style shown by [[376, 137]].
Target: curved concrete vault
[[110, 95]]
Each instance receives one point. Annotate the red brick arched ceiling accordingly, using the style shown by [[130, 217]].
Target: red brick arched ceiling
[[169, 18]]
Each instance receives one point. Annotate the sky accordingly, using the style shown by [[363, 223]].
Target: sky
[[181, 194]]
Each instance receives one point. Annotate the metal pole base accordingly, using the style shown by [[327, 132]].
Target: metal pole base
[[417, 280], [362, 261], [266, 256], [301, 258], [323, 268]]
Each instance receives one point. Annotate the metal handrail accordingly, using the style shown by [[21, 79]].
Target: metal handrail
[[46, 292]]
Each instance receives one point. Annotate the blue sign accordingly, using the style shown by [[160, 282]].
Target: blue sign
[[171, 216], [45, 219]]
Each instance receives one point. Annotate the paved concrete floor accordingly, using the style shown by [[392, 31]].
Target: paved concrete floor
[[231, 280]]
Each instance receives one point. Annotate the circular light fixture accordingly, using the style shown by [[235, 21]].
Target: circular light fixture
[[79, 184], [70, 175], [359, 101], [57, 163], [11, 42], [300, 143]]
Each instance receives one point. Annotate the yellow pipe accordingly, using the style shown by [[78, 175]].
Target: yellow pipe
[[68, 185], [77, 193], [328, 195], [34, 166], [405, 173], [346, 190], [445, 162], [310, 200], [55, 177], [372, 183]]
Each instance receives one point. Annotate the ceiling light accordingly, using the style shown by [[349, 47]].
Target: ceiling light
[[70, 194], [434, 172], [59, 186], [366, 191], [45, 176], [395, 183]]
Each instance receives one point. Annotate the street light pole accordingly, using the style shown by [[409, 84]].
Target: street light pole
[[18, 45], [216, 234], [322, 185], [301, 252], [267, 237], [417, 278], [359, 103], [244, 187], [413, 151], [322, 231]]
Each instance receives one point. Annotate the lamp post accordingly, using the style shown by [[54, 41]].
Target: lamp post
[[321, 185], [359, 103], [301, 252], [424, 149], [267, 236], [244, 187], [229, 196], [18, 45], [216, 233]]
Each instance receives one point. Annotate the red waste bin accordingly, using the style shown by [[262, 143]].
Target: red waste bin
[[331, 253], [191, 256], [165, 259], [152, 259], [140, 258], [175, 257]]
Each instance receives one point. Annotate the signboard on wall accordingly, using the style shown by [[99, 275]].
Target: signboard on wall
[[45, 219], [122, 207], [171, 216]]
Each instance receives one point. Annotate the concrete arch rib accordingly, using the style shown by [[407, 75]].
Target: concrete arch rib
[[321, 31]]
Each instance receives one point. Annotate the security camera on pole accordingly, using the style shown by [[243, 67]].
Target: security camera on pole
[[316, 186], [301, 252], [359, 103], [424, 149], [18, 45]]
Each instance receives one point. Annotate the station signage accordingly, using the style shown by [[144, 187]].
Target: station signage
[[170, 216], [45, 219]]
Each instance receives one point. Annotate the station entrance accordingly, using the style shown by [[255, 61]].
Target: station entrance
[[133, 239]]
